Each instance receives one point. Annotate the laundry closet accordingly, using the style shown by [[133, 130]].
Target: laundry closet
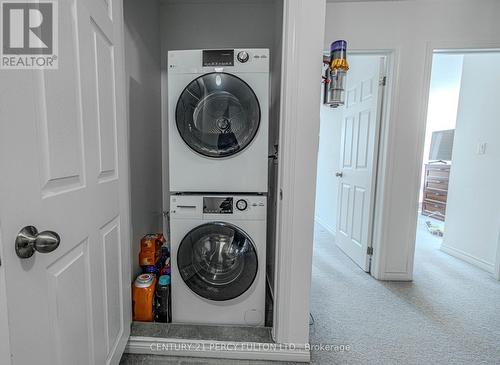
[[203, 93]]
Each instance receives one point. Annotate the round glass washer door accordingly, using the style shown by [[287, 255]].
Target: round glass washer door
[[217, 115], [217, 261]]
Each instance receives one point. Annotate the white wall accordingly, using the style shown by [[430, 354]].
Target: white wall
[[142, 67], [328, 164], [473, 209], [407, 28], [302, 52]]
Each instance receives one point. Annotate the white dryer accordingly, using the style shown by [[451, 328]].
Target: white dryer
[[218, 258], [218, 102]]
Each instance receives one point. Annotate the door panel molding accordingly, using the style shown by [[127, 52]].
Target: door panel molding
[[70, 274], [112, 294]]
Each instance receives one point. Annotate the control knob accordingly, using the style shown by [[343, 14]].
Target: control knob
[[241, 204], [243, 56]]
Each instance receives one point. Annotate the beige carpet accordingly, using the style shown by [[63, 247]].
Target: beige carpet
[[449, 314]]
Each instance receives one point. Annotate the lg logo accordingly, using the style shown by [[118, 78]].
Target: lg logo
[[29, 29]]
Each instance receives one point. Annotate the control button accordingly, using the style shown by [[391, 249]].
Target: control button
[[243, 56], [241, 204]]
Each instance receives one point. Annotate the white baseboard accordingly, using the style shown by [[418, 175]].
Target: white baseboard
[[216, 349], [464, 256], [324, 225], [393, 276]]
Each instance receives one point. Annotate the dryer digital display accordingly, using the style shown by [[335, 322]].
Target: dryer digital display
[[223, 57]]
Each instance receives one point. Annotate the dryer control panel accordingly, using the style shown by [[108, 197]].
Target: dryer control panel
[[202, 61], [214, 57]]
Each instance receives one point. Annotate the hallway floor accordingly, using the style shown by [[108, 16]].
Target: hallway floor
[[449, 314]]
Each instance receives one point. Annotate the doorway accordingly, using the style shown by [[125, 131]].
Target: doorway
[[347, 159], [458, 216], [242, 309]]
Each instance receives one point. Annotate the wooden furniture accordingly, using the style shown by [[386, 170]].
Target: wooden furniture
[[435, 190]]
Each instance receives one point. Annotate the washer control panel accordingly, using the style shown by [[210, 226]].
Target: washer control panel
[[217, 205]]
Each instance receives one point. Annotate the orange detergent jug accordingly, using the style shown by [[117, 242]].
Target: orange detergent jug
[[143, 292]]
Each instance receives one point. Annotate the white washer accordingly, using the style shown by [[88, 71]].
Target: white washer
[[218, 259], [218, 118]]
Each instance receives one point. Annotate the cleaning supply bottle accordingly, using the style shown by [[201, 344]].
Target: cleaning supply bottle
[[143, 291], [162, 300]]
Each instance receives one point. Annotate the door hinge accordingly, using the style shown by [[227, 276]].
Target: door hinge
[[382, 81], [369, 250], [281, 194]]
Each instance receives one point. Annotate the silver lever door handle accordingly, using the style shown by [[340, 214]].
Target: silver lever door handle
[[339, 174], [28, 241]]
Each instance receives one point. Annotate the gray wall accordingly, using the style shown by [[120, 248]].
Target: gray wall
[[201, 24], [142, 66]]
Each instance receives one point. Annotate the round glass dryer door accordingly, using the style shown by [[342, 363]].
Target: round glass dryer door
[[217, 261], [217, 115]]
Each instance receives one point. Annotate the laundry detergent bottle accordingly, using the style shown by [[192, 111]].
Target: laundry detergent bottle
[[143, 293]]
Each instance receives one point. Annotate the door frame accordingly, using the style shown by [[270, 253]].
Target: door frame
[[302, 62], [303, 34], [123, 148], [460, 46]]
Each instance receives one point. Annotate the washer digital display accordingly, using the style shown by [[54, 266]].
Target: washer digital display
[[217, 205]]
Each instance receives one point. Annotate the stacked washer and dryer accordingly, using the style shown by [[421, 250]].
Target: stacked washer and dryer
[[218, 121]]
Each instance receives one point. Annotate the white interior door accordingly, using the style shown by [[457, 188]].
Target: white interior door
[[63, 163], [360, 130]]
